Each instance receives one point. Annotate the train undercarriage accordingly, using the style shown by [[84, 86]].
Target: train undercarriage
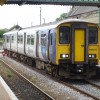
[[67, 70]]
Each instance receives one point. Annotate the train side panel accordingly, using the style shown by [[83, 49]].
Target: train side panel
[[46, 47], [21, 43], [44, 38], [39, 46], [43, 45], [14, 41], [8, 42], [4, 41], [30, 44]]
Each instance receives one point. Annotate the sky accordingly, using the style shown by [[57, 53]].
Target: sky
[[29, 15]]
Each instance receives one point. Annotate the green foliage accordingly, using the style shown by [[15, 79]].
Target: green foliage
[[1, 41], [62, 16], [2, 31]]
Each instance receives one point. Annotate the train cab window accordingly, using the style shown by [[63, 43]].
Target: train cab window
[[64, 35], [93, 35], [32, 40]]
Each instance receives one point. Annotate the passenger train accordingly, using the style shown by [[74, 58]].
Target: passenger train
[[68, 48]]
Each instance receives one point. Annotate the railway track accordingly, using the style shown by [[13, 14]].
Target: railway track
[[78, 89], [85, 87], [93, 83], [44, 94]]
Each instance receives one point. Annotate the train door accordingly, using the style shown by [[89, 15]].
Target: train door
[[10, 42], [52, 46], [48, 44], [17, 41], [37, 44], [25, 43], [79, 50]]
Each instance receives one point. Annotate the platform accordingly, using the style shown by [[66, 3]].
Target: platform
[[5, 92]]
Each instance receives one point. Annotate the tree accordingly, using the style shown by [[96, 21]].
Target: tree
[[62, 16], [2, 31]]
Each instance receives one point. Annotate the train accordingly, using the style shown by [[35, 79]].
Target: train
[[68, 48]]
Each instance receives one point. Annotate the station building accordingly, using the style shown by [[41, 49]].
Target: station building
[[88, 13]]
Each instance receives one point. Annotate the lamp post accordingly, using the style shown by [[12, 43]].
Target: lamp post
[[40, 15], [43, 20], [32, 23]]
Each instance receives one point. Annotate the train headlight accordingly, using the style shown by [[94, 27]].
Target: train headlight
[[92, 55], [64, 55]]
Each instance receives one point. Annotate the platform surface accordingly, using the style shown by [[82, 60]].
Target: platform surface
[[5, 92]]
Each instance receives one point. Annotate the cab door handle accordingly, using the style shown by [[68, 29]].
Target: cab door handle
[[82, 45]]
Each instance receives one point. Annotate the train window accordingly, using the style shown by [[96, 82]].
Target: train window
[[28, 39], [12, 40], [32, 40], [8, 39], [93, 35], [43, 39], [21, 40], [18, 38], [64, 35]]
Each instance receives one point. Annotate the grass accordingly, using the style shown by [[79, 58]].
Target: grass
[[9, 73], [6, 70], [33, 79], [1, 39]]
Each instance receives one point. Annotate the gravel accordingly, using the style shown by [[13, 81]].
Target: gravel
[[22, 89], [86, 87], [97, 81], [53, 88]]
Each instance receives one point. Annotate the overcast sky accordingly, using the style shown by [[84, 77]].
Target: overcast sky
[[27, 15]]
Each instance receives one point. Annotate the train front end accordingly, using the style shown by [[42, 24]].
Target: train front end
[[77, 49]]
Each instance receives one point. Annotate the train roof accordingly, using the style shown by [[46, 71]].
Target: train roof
[[48, 25], [57, 23], [9, 32]]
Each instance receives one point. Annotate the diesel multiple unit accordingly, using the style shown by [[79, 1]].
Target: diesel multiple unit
[[68, 48]]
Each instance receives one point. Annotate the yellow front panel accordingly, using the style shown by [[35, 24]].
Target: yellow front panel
[[93, 49], [61, 48], [79, 46]]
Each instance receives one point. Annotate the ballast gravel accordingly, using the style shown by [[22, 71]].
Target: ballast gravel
[[56, 90]]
